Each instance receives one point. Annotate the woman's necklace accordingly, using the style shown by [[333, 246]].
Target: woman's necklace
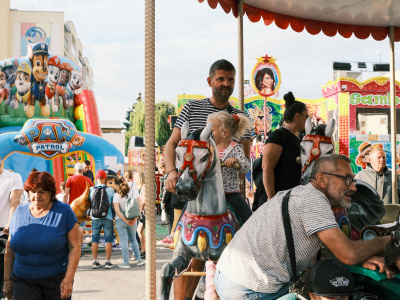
[[291, 130]]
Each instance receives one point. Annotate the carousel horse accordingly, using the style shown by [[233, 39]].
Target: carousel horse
[[207, 225], [366, 208]]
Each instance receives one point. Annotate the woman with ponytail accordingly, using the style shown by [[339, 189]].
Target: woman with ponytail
[[281, 170]]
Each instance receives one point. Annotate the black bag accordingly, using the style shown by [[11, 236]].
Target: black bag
[[299, 285], [260, 197], [100, 204]]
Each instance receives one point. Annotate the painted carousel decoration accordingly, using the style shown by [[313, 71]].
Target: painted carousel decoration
[[207, 225], [266, 77]]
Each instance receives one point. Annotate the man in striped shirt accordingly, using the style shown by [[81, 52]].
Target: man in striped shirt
[[222, 82], [256, 261]]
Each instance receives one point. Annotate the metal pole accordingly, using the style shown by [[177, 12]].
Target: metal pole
[[149, 147], [241, 72], [240, 55], [393, 116]]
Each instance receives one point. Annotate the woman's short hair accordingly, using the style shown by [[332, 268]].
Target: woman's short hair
[[292, 107], [41, 179], [260, 78], [123, 187]]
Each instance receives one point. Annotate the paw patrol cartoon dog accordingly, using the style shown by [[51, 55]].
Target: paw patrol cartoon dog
[[74, 83], [78, 140], [3, 90], [52, 79], [39, 56], [23, 84], [65, 74], [10, 69]]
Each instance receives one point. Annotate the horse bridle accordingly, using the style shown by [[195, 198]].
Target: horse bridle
[[315, 151], [189, 158]]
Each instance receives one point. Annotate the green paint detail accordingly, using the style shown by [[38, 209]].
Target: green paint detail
[[215, 228], [79, 125], [189, 226], [51, 168], [17, 117]]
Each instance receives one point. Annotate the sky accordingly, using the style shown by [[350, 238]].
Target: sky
[[190, 36]]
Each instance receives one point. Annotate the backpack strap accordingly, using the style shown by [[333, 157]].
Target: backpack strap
[[289, 233]]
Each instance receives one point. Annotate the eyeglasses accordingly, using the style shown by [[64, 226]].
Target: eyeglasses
[[347, 179]]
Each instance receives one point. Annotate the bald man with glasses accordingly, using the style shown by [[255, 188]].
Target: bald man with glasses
[[256, 262]]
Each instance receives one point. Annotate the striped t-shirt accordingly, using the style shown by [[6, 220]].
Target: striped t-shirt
[[197, 111], [258, 258]]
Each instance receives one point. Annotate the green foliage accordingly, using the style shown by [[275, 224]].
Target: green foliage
[[163, 131], [136, 122]]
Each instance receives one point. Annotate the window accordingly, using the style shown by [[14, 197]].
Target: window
[[65, 43], [373, 120]]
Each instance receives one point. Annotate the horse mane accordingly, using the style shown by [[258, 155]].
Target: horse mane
[[195, 135], [318, 130]]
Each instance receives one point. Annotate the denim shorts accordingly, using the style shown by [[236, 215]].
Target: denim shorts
[[227, 289], [108, 228]]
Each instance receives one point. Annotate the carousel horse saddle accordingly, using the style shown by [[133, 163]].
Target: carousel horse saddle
[[213, 228], [391, 213], [366, 206]]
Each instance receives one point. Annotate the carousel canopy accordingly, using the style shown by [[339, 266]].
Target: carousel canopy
[[363, 18]]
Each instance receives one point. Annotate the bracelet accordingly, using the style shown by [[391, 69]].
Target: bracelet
[[171, 171]]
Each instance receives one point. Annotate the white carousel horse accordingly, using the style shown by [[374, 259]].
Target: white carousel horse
[[367, 208], [207, 225]]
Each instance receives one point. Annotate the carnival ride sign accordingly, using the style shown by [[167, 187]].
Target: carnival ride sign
[[48, 138], [266, 77]]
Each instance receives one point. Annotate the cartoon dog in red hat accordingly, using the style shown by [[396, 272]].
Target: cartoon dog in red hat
[[65, 74], [54, 64]]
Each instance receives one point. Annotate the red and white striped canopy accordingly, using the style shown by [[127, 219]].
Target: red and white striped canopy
[[363, 18]]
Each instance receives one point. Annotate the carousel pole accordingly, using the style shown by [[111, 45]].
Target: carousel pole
[[241, 72], [240, 55], [393, 115], [149, 146]]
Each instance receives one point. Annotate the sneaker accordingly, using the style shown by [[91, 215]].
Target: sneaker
[[168, 241], [108, 265], [96, 264], [124, 265], [140, 262], [143, 254]]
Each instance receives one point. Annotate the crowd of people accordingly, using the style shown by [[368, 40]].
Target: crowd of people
[[45, 237], [256, 262]]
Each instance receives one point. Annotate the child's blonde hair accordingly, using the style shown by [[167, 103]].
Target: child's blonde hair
[[139, 179], [236, 124]]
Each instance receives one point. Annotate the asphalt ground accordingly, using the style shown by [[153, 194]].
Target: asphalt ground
[[117, 283]]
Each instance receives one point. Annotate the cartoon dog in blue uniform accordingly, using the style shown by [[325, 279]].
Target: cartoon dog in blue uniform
[[39, 56]]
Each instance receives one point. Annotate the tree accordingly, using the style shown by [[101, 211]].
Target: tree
[[163, 131], [163, 109]]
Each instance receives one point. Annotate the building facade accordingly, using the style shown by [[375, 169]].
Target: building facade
[[20, 28]]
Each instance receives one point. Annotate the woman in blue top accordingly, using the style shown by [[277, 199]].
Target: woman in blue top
[[43, 248]]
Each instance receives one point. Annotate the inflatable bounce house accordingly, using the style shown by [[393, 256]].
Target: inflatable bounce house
[[47, 121]]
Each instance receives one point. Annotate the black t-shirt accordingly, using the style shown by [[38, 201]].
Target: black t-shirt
[[287, 171], [89, 174]]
